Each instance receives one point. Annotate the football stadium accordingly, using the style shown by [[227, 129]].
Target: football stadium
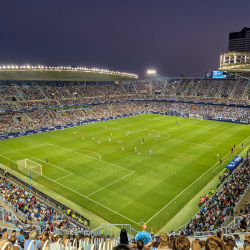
[[103, 145], [93, 159]]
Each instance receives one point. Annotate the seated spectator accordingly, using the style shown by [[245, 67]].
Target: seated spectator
[[237, 241], [32, 236], [164, 241], [13, 241], [124, 237], [246, 241], [203, 243], [53, 245], [140, 244], [20, 237], [214, 243], [196, 245], [181, 243], [243, 224], [121, 247]]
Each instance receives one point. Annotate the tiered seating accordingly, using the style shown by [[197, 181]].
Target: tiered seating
[[170, 86], [227, 87], [221, 206], [7, 106], [8, 92], [191, 86], [32, 92], [183, 85], [39, 214], [50, 118], [213, 89], [203, 88]]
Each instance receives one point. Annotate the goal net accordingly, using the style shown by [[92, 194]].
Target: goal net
[[27, 166], [196, 116]]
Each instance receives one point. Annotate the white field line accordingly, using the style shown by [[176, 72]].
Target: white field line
[[91, 152], [64, 177], [109, 184], [89, 157], [8, 158], [24, 148], [197, 144], [225, 126], [192, 184], [51, 165], [219, 165], [82, 195]]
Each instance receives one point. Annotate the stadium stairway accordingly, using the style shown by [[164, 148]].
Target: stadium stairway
[[234, 88], [242, 203], [39, 87], [246, 91], [136, 91], [196, 88], [217, 94], [5, 206], [20, 94]]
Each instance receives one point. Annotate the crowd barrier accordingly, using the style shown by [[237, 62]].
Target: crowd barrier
[[7, 216], [87, 244], [113, 230]]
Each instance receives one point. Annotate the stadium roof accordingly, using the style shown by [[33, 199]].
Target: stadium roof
[[235, 61], [42, 73]]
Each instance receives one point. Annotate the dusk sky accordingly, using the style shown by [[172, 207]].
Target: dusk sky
[[173, 37]]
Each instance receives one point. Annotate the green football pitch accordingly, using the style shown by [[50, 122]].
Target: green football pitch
[[123, 187]]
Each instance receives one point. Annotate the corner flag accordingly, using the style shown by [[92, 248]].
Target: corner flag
[[11, 166], [30, 175]]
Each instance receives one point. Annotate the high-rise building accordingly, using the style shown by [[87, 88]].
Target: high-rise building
[[239, 41]]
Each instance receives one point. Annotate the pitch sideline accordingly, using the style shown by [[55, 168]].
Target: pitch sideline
[[192, 184]]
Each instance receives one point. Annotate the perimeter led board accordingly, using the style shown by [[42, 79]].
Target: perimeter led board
[[218, 74]]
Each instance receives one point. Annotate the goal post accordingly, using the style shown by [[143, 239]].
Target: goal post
[[195, 116], [27, 166]]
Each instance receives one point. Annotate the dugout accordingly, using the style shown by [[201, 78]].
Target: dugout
[[234, 163]]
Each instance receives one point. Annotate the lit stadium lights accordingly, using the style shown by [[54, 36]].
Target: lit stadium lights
[[30, 67], [151, 71]]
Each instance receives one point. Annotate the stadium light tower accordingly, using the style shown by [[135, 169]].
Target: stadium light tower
[[151, 72]]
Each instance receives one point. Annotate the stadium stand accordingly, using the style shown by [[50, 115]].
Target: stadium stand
[[37, 212], [31, 106], [211, 99]]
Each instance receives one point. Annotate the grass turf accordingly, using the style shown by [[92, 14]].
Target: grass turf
[[122, 186]]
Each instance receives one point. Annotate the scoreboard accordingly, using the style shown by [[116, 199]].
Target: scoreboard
[[214, 74]]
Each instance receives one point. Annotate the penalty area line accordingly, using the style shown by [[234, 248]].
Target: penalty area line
[[89, 157], [51, 165], [24, 148], [109, 184], [64, 177], [82, 195]]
